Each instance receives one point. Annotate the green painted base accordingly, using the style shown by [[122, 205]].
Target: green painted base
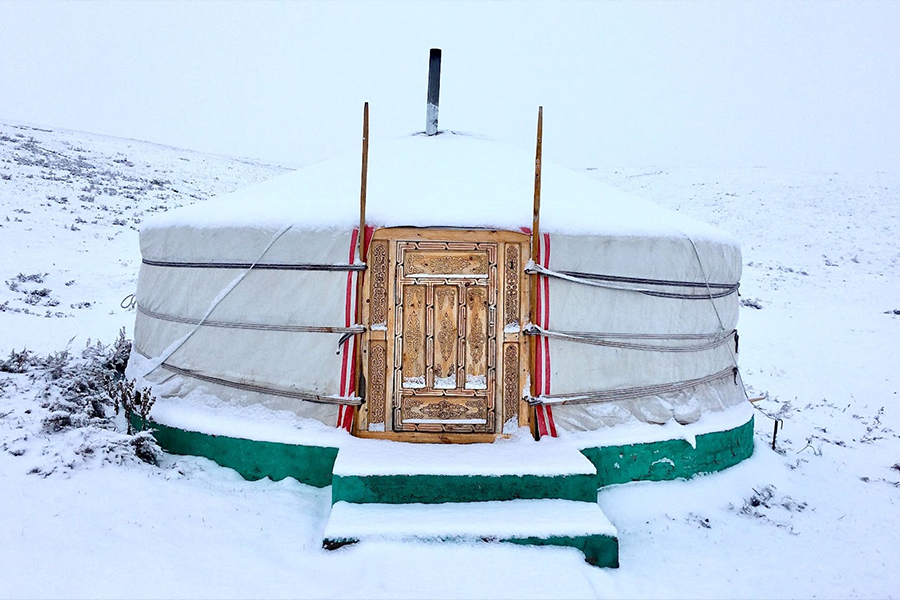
[[598, 550], [250, 458], [432, 489], [672, 459]]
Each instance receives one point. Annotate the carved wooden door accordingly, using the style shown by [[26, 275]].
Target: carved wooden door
[[445, 336], [444, 351]]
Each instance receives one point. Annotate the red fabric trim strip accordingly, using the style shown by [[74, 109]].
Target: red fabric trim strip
[[549, 420], [348, 303], [349, 411], [370, 231], [348, 418], [541, 422], [539, 350], [546, 320], [348, 385], [546, 314]]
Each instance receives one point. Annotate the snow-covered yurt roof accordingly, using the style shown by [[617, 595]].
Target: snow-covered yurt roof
[[451, 179]]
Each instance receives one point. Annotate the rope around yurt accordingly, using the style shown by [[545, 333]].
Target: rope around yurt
[[160, 361], [254, 326], [639, 285], [602, 339], [631, 393], [613, 282], [259, 389]]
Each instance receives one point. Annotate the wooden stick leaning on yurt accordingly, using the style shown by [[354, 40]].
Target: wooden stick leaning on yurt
[[360, 278], [364, 177], [535, 248]]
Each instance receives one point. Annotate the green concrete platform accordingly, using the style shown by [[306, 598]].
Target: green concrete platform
[[396, 473], [672, 459], [252, 459], [546, 522]]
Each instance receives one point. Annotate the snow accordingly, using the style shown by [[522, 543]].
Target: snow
[[476, 382], [475, 520], [512, 327], [817, 518], [638, 433], [205, 414], [414, 382], [519, 455], [414, 181], [445, 383]]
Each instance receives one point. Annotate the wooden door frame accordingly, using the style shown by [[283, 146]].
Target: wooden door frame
[[377, 359]]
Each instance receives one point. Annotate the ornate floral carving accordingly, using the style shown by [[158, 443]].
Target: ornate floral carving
[[412, 336], [478, 406], [377, 391], [446, 338], [447, 335], [443, 410], [476, 336], [379, 282], [443, 264], [510, 381], [444, 296], [511, 268]]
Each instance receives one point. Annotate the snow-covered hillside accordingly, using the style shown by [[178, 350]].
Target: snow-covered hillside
[[817, 517], [70, 207]]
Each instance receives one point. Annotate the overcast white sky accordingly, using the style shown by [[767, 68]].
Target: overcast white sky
[[802, 85]]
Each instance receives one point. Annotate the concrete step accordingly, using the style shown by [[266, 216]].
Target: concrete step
[[396, 473], [580, 525]]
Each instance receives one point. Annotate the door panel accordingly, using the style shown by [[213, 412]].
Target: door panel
[[476, 340], [447, 319], [433, 276], [413, 356], [443, 353]]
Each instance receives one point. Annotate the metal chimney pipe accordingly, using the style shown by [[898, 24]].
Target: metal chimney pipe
[[434, 91]]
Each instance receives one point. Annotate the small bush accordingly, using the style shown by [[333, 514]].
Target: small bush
[[19, 362], [83, 394]]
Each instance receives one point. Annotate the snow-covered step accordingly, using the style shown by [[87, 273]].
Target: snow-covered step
[[396, 473], [580, 525]]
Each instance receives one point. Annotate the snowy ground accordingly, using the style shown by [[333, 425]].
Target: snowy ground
[[83, 517]]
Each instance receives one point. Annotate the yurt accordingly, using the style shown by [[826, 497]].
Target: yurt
[[447, 321]]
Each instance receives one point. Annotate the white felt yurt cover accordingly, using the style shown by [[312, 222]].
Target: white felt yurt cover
[[449, 180]]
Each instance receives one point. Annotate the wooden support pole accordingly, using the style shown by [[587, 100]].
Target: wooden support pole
[[363, 183], [535, 248], [360, 276], [536, 217]]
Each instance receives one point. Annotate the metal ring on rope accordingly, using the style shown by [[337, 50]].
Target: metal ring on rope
[[249, 387], [601, 339], [628, 393]]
